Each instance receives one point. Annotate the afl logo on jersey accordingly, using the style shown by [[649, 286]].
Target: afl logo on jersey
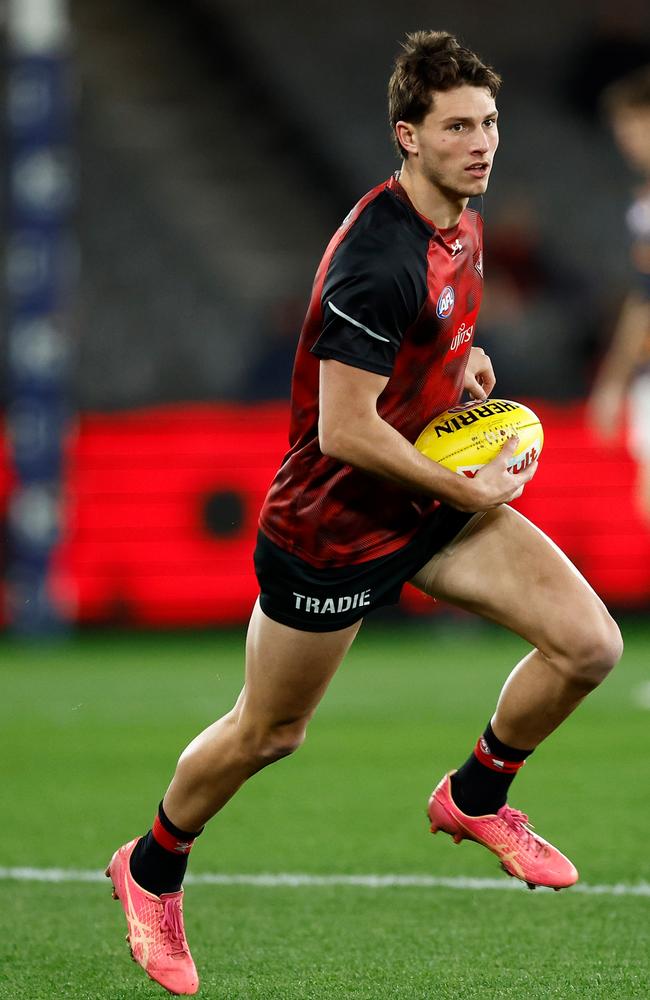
[[446, 301]]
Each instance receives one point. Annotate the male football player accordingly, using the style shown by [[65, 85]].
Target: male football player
[[355, 511]]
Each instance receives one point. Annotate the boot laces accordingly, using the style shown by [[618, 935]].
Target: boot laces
[[518, 822], [171, 925]]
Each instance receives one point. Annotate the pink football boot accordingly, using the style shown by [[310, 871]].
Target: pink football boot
[[156, 936], [506, 833]]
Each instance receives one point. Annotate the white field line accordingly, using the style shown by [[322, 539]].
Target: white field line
[[297, 881]]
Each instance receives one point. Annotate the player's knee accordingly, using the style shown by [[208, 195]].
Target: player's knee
[[596, 649], [282, 741], [267, 742]]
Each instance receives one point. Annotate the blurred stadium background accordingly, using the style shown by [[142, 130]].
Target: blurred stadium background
[[173, 172]]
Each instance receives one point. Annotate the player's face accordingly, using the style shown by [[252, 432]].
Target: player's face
[[457, 140], [632, 131]]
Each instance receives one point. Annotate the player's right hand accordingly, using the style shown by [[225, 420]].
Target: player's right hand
[[494, 485]]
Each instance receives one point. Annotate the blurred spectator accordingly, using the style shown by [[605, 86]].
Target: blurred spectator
[[617, 43], [269, 376], [533, 320], [625, 370]]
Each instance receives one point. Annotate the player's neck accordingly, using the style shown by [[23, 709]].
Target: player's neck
[[437, 205]]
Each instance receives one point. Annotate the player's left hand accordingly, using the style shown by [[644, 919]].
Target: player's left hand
[[479, 375]]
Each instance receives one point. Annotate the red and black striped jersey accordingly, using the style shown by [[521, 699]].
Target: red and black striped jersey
[[396, 296]]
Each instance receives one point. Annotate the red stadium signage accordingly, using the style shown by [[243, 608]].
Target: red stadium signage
[[161, 512]]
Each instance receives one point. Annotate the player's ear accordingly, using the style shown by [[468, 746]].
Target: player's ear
[[406, 135]]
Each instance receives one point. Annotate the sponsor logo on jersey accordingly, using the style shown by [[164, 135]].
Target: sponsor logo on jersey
[[478, 261], [445, 303], [462, 336], [456, 247], [331, 605]]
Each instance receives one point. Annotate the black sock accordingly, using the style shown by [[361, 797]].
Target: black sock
[[481, 785], [159, 859]]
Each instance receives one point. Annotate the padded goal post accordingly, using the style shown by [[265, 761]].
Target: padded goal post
[[41, 261]]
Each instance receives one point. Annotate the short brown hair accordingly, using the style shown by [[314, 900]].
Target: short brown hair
[[432, 61], [632, 91]]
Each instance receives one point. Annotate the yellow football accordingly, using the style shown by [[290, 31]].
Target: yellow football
[[467, 437]]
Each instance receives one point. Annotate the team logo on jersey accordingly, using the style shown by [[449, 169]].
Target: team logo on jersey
[[446, 301]]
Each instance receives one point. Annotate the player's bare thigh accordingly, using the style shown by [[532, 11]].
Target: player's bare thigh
[[507, 570], [288, 671]]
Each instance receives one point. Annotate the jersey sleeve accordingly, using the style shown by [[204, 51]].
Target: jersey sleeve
[[373, 291]]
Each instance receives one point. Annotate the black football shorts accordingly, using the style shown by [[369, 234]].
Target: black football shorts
[[294, 593]]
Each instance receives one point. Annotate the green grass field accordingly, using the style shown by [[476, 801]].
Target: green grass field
[[90, 733]]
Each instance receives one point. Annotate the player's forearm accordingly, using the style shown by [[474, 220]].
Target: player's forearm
[[377, 448]]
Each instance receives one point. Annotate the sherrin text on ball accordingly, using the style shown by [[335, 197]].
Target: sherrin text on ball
[[467, 437]]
